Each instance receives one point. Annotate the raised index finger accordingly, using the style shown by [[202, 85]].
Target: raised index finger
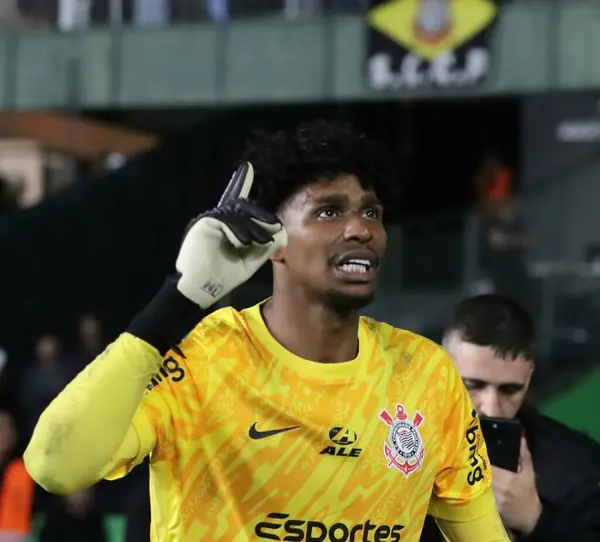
[[240, 184]]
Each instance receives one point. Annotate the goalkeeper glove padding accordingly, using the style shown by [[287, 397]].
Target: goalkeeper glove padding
[[225, 246], [221, 249]]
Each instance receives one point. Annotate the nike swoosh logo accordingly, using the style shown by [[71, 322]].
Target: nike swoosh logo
[[255, 434]]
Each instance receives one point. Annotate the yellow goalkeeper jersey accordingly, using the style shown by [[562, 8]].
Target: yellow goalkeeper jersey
[[251, 442]]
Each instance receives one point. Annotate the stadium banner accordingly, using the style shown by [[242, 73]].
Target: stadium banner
[[428, 43]]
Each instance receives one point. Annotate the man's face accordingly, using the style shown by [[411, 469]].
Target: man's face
[[89, 327], [47, 348], [497, 385], [336, 241]]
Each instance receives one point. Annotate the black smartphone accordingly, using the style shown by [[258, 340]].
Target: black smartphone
[[503, 440]]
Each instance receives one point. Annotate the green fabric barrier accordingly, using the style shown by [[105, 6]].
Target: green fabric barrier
[[115, 528], [578, 407]]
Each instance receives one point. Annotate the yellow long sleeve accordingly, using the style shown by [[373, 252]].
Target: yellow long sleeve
[[89, 428], [476, 521]]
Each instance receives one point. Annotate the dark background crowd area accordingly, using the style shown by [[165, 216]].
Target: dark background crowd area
[[79, 265]]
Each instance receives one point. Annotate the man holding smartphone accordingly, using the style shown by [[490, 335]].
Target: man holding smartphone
[[554, 495]]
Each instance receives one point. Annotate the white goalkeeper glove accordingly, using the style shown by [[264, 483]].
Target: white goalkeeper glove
[[225, 246]]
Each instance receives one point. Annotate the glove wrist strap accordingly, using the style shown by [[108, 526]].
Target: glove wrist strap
[[168, 318]]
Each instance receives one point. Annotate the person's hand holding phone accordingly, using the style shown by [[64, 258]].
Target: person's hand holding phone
[[516, 494]]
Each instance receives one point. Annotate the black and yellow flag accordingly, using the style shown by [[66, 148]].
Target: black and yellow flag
[[419, 43]]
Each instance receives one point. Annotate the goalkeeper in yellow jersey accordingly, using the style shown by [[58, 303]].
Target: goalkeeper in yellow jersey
[[296, 419]]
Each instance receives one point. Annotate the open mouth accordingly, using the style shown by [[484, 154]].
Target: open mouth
[[355, 265], [356, 269]]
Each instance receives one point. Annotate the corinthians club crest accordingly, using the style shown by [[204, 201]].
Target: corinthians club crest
[[404, 447]]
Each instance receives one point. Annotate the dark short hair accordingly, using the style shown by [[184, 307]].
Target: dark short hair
[[287, 161], [495, 321]]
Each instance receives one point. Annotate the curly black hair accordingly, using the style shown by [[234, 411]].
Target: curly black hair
[[285, 162]]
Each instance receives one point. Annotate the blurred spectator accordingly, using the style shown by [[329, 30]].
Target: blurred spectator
[[74, 519], [555, 496], [91, 342], [16, 487], [218, 10], [505, 239], [74, 14], [44, 379], [114, 161], [493, 183], [151, 12]]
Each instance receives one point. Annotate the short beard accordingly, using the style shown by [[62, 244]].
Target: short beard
[[344, 303]]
